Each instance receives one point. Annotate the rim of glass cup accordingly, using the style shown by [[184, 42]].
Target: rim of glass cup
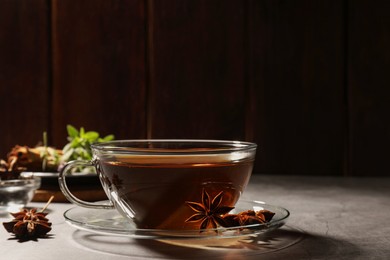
[[200, 146]]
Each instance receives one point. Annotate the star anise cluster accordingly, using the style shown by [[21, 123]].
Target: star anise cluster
[[28, 224], [210, 212], [246, 218]]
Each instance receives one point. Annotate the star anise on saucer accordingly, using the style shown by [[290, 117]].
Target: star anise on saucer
[[209, 211], [29, 224], [249, 217]]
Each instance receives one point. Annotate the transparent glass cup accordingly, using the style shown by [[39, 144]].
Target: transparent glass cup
[[156, 183]]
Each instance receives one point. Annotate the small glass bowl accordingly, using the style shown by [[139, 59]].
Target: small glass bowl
[[16, 194]]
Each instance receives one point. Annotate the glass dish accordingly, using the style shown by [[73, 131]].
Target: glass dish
[[16, 194], [110, 222]]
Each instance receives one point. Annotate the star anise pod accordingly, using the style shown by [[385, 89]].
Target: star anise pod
[[249, 217], [208, 212], [29, 223]]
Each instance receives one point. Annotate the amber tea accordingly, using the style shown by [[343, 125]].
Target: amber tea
[[155, 195]]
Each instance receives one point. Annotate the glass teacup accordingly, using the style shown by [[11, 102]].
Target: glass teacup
[[168, 184]]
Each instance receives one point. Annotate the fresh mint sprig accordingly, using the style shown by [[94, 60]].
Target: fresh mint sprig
[[79, 146]]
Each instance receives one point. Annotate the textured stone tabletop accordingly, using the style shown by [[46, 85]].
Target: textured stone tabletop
[[331, 218]]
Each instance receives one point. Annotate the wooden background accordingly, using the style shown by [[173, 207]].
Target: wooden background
[[308, 81]]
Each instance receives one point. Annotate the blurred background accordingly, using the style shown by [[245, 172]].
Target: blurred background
[[308, 81]]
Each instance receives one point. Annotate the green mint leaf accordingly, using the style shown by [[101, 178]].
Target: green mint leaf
[[79, 146], [108, 138], [91, 136], [75, 142], [72, 132]]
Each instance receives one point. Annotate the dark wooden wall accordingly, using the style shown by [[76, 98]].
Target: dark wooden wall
[[308, 81]]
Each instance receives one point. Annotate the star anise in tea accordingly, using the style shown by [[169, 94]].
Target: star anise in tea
[[28, 223], [209, 211]]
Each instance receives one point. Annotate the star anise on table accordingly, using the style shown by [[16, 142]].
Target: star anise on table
[[209, 211], [29, 224]]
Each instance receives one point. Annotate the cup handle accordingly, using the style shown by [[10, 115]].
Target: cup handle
[[72, 198]]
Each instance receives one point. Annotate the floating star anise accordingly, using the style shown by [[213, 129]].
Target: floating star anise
[[208, 212]]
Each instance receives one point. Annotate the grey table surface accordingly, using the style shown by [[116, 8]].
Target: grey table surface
[[331, 218]]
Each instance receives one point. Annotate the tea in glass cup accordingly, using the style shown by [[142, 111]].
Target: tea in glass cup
[[169, 184]]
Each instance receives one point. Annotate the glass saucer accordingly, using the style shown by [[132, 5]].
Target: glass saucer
[[110, 222]]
